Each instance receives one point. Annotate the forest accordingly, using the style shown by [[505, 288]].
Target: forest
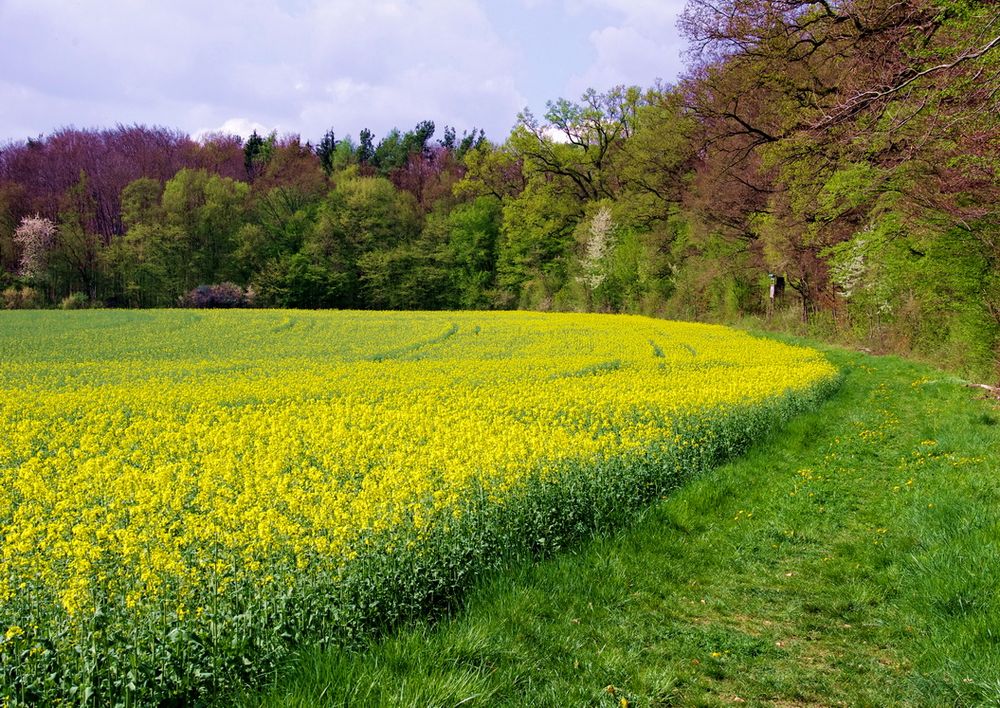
[[827, 166]]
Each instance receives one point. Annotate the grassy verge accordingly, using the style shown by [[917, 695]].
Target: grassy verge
[[852, 559]]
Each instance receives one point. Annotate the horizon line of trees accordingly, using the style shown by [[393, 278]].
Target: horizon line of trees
[[850, 149]]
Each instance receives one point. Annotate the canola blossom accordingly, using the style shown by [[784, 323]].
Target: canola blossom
[[185, 496]]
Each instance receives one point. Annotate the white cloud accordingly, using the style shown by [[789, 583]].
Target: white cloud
[[555, 135], [653, 14], [643, 45], [244, 127], [305, 65]]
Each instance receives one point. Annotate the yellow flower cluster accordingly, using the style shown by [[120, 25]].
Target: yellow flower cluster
[[147, 457]]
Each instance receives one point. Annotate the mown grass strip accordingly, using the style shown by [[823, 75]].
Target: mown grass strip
[[852, 559]]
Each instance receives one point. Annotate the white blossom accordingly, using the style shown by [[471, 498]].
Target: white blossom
[[36, 236], [596, 247]]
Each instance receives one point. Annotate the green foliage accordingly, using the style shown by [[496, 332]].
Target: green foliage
[[326, 151], [629, 285], [536, 244], [343, 155], [74, 262], [365, 150], [146, 266], [491, 170], [257, 153], [204, 211], [12, 206], [406, 277], [75, 301], [919, 293], [299, 281], [141, 203], [473, 237], [20, 298], [345, 245], [395, 149], [143, 266], [367, 213]]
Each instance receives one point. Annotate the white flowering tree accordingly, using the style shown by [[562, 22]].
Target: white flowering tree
[[596, 248], [36, 238]]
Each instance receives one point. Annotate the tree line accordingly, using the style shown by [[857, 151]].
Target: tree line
[[846, 149]]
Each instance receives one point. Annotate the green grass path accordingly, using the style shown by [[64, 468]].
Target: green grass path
[[852, 559]]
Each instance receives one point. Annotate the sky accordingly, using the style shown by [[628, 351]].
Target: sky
[[308, 66]]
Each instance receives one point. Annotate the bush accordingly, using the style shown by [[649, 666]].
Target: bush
[[75, 301], [23, 298], [221, 295]]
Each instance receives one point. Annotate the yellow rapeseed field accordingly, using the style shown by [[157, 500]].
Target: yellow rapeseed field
[[184, 495]]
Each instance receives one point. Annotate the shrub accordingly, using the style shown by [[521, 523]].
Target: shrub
[[23, 298], [75, 301], [221, 295]]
